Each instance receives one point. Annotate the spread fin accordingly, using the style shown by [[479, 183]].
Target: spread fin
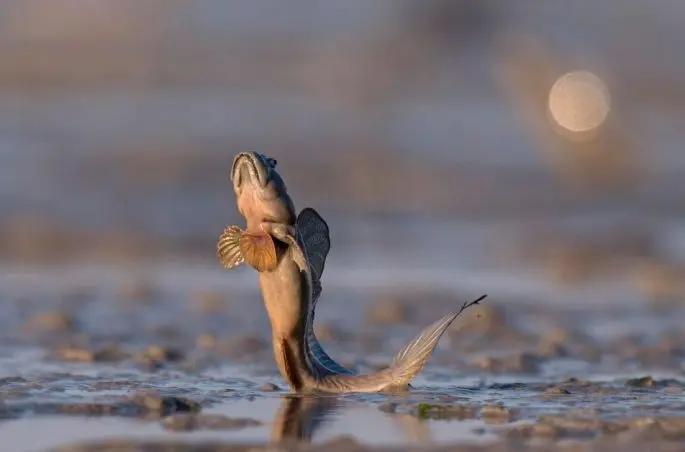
[[314, 238], [409, 362], [257, 249], [228, 247]]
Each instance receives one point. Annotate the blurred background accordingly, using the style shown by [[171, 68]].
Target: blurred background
[[429, 134], [530, 150]]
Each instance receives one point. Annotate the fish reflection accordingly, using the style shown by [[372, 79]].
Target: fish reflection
[[299, 417]]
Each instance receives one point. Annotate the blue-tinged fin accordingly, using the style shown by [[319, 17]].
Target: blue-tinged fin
[[314, 237]]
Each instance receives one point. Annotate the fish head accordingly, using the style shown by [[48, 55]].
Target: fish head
[[261, 193]]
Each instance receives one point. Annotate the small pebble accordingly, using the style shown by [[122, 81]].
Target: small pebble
[[444, 411], [110, 353], [152, 401], [388, 407], [556, 391], [642, 382], [269, 387], [158, 353], [495, 414]]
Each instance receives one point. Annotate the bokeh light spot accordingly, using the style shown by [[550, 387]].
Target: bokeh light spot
[[579, 101]]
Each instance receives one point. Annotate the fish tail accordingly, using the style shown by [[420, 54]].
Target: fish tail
[[410, 361]]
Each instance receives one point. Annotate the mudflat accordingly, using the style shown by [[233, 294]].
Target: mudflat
[[174, 357]]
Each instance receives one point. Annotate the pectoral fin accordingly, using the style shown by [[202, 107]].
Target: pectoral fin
[[228, 247], [257, 249]]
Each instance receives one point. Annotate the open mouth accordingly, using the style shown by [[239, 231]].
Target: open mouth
[[248, 165]]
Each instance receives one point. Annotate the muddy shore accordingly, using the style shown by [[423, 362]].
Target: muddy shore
[[153, 360]]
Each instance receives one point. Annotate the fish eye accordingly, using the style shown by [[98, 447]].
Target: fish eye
[[273, 162]]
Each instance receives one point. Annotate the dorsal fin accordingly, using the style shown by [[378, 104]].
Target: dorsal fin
[[314, 237], [312, 231]]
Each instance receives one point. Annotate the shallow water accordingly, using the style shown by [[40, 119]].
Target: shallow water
[[233, 391], [93, 400]]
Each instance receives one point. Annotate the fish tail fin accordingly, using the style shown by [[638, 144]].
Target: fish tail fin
[[410, 361]]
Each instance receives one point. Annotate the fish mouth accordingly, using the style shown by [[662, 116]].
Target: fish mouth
[[251, 166]]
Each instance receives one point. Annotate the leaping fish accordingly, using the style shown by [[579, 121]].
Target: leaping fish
[[289, 253]]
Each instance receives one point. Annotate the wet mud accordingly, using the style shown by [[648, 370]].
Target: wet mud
[[188, 369]]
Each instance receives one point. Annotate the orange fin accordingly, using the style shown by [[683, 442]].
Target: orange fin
[[259, 250], [237, 246]]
